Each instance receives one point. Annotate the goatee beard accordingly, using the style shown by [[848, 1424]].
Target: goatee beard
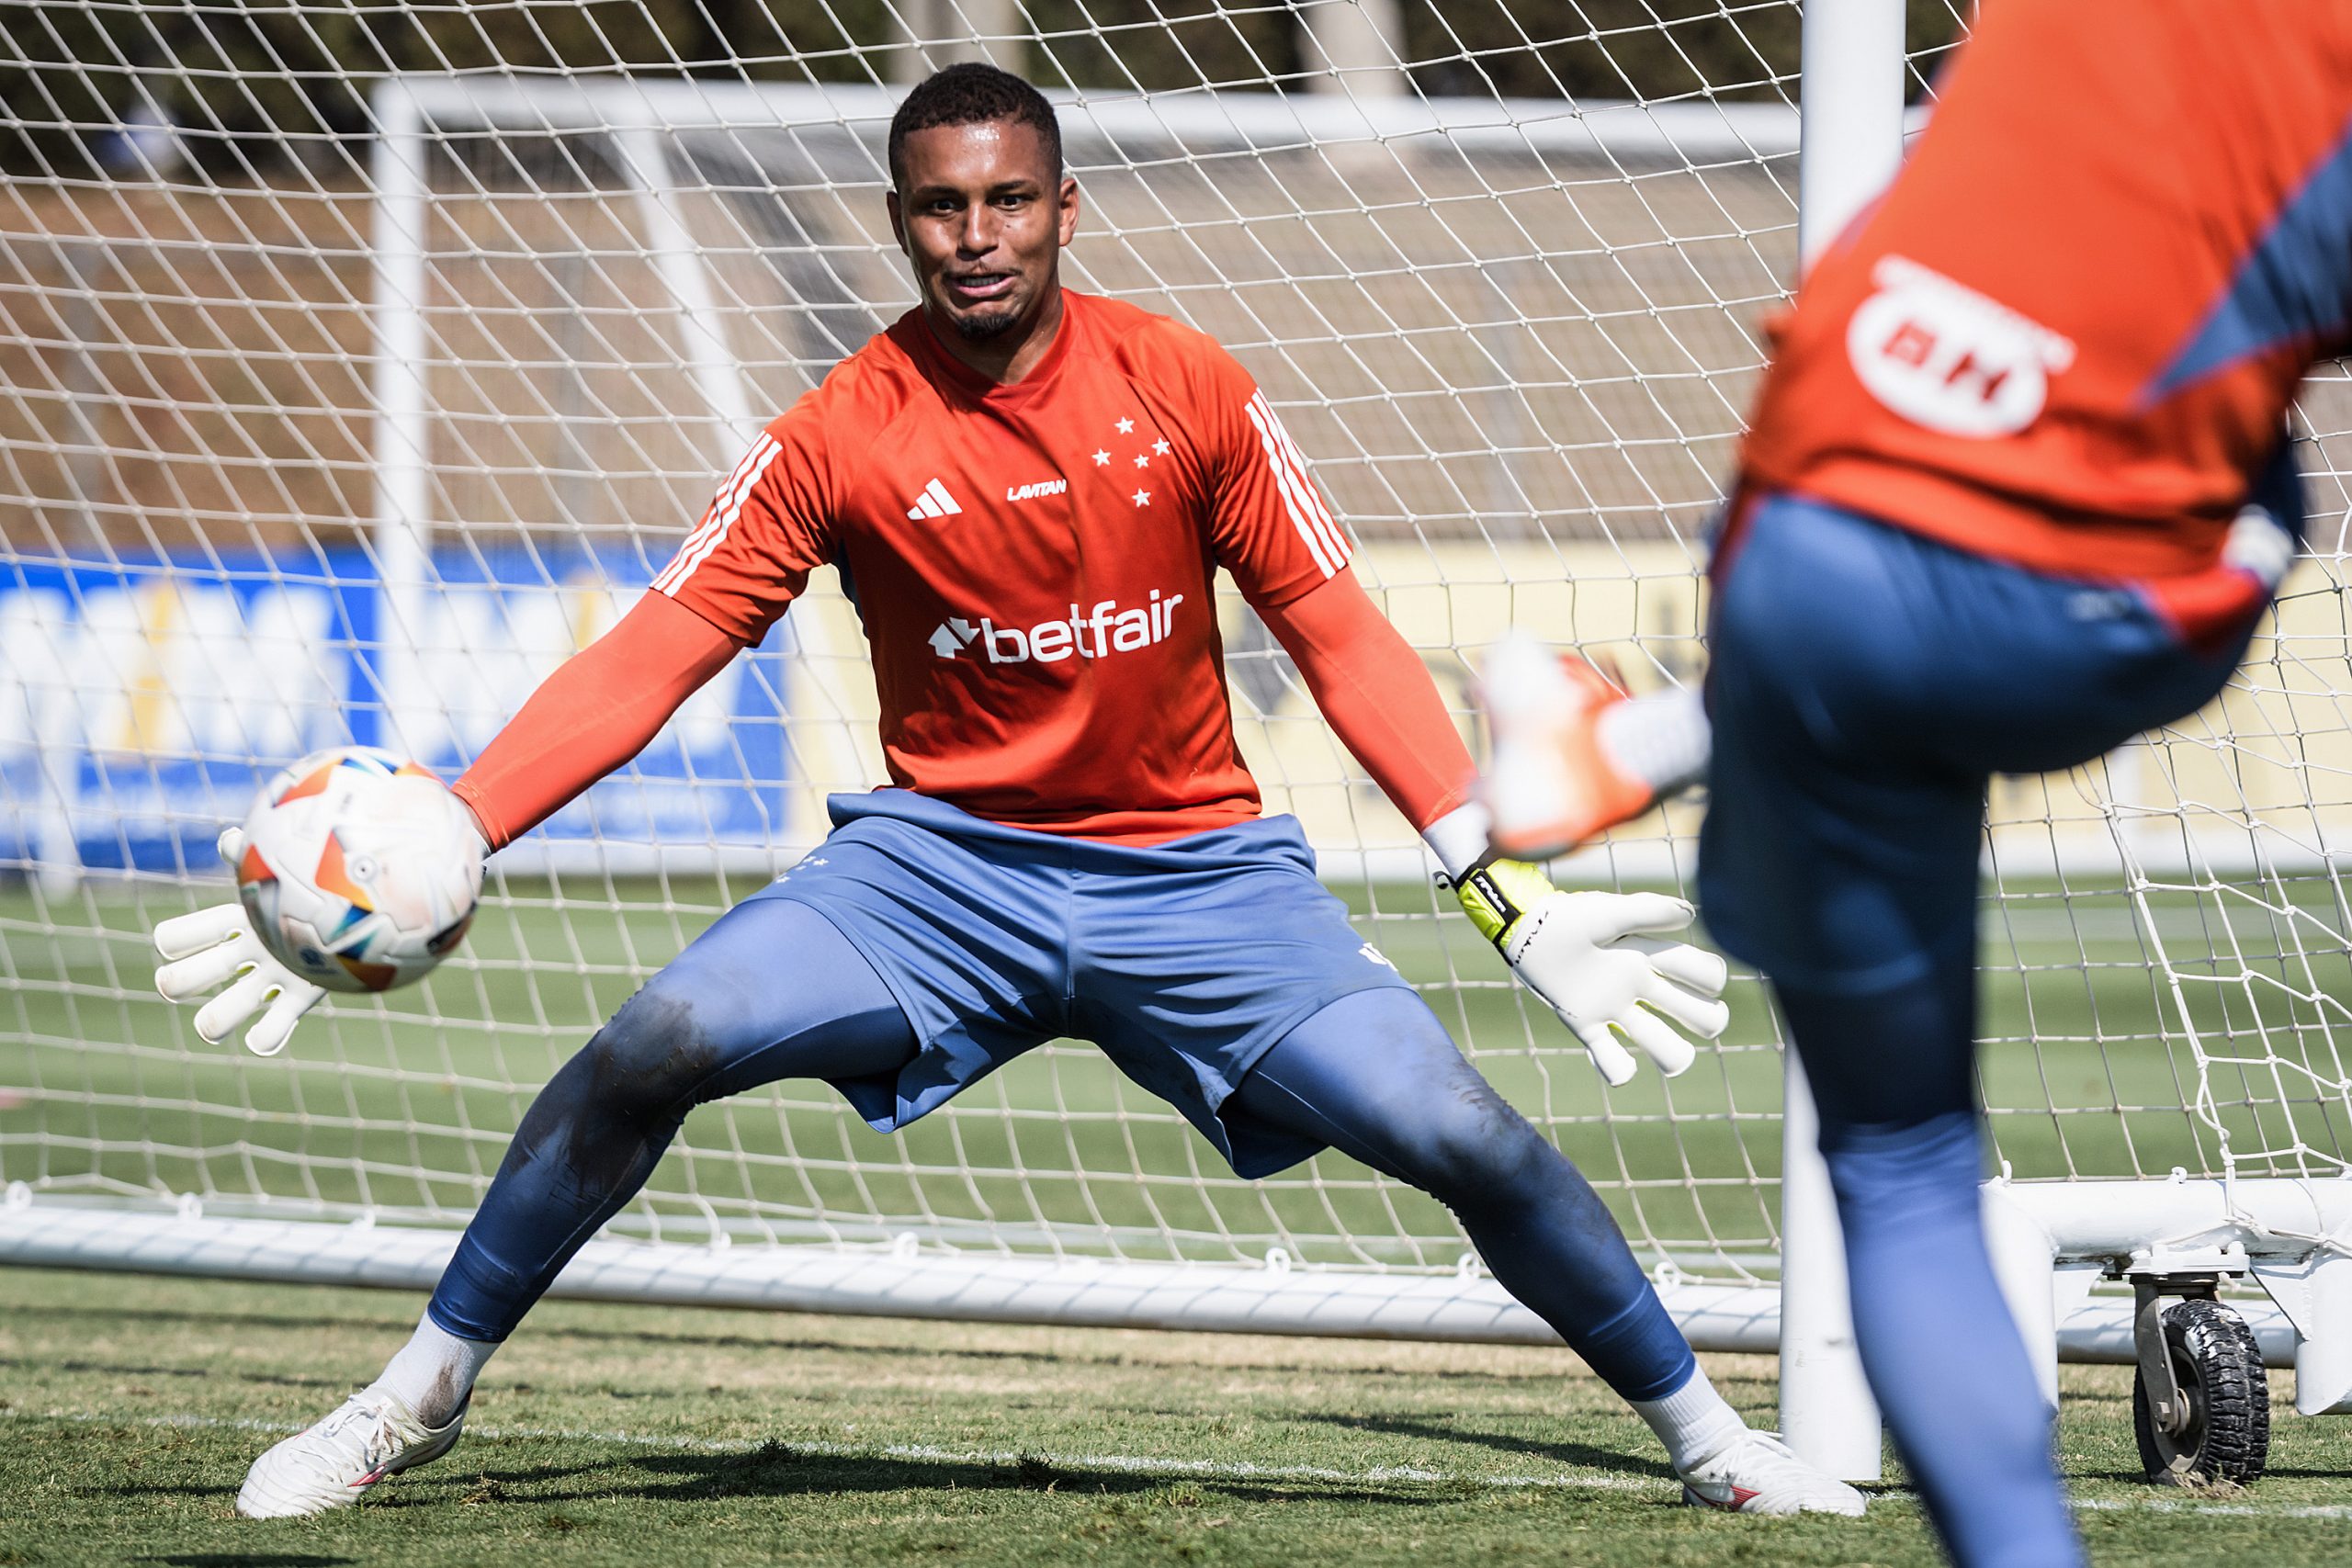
[[979, 329]]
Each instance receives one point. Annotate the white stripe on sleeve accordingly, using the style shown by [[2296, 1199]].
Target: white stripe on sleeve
[[710, 516], [1261, 414], [717, 507], [1333, 532], [724, 510]]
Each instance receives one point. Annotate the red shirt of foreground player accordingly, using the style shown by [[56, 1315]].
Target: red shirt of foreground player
[[2093, 403]]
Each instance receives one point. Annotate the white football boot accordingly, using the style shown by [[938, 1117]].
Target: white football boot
[[1758, 1474], [333, 1465]]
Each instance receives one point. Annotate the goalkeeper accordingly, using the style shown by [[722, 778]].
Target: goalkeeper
[[1027, 491]]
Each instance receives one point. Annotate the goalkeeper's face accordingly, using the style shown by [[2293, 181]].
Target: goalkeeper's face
[[983, 215]]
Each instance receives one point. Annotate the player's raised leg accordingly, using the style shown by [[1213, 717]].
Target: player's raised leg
[[771, 991], [1374, 1075]]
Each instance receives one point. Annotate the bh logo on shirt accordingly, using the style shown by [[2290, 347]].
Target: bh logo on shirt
[[1945, 357], [1089, 634]]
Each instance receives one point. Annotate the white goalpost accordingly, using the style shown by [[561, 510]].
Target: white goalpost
[[1850, 99], [355, 440]]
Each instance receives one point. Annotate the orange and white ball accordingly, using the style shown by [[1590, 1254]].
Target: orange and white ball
[[360, 870]]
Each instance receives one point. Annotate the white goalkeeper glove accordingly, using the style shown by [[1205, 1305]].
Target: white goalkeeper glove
[[1595, 959], [216, 945]]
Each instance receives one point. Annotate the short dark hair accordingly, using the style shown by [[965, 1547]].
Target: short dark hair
[[973, 94]]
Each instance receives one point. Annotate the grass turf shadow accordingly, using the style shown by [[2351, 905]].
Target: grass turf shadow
[[778, 1468], [1583, 1455]]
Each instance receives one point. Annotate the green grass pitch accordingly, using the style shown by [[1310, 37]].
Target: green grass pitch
[[129, 1407]]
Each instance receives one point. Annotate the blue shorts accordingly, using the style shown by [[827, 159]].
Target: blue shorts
[[1866, 682], [1184, 962]]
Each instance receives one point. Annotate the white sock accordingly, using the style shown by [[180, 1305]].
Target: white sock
[[434, 1371], [1662, 739], [1693, 1422]]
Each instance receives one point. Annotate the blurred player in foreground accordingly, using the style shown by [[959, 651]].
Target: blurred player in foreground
[[1028, 492], [2016, 489]]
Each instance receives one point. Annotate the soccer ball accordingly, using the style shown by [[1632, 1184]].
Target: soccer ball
[[360, 870]]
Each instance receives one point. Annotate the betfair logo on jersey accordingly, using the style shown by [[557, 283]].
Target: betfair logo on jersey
[[1096, 634]]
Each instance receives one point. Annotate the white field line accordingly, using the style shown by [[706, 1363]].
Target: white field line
[[2249, 1510], [1139, 1465]]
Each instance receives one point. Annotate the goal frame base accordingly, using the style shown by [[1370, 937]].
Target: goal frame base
[[177, 1237]]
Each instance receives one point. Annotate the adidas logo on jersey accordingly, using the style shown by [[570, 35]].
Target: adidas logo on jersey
[[934, 501], [1107, 629]]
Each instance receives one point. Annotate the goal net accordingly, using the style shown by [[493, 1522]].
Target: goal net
[[355, 376]]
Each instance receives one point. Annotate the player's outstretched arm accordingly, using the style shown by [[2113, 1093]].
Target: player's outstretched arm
[[594, 713], [1596, 959]]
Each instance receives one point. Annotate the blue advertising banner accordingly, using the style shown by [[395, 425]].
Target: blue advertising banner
[[143, 702]]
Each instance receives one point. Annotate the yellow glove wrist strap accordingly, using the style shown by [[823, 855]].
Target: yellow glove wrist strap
[[1496, 892]]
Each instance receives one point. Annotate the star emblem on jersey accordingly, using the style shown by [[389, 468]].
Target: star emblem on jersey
[[1160, 447], [1102, 459], [1143, 498], [1127, 427], [934, 501], [1143, 460]]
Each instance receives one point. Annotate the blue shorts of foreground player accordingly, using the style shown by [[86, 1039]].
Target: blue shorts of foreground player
[[1185, 962], [1866, 683]]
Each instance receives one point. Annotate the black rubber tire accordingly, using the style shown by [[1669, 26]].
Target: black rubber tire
[[2219, 1369]]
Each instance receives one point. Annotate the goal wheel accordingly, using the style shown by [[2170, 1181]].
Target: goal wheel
[[2222, 1432]]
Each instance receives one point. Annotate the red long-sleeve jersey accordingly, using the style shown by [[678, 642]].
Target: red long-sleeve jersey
[[1034, 564], [2069, 333]]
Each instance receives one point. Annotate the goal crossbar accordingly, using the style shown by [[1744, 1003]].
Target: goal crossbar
[[1697, 131]]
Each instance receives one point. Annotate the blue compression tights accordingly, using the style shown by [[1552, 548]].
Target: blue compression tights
[[770, 992], [1374, 1075]]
